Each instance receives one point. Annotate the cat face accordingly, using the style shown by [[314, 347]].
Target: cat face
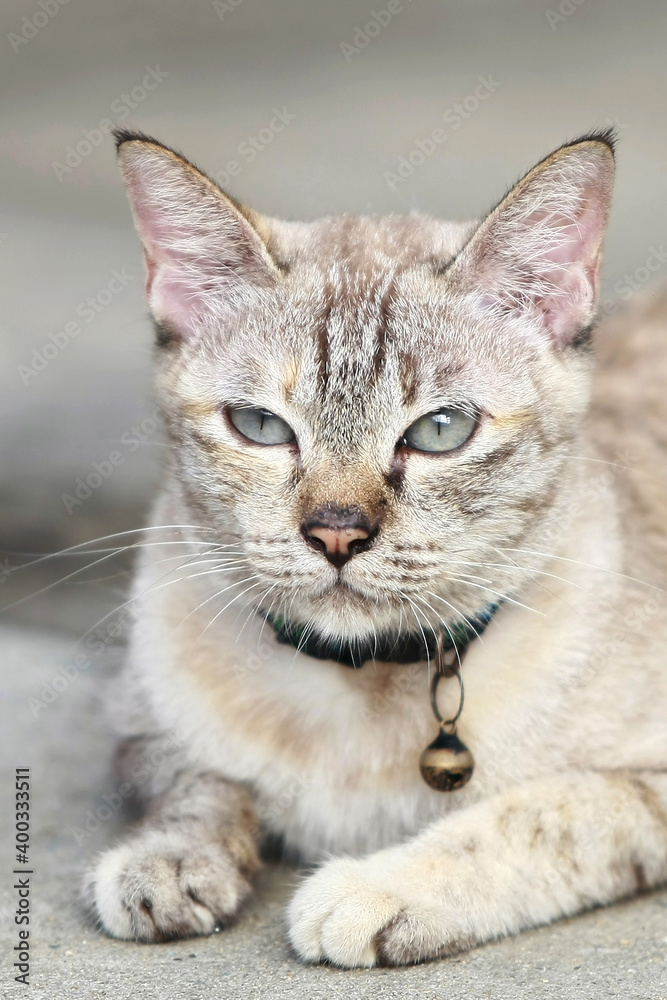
[[377, 410]]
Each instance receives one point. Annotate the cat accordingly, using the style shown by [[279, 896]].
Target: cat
[[382, 431]]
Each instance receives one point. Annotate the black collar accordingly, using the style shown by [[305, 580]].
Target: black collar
[[402, 647]]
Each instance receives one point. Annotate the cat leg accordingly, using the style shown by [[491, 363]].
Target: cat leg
[[542, 850], [186, 869]]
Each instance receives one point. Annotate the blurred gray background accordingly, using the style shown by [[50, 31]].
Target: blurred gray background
[[208, 78]]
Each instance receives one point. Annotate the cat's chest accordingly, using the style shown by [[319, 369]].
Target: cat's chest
[[331, 753], [274, 708]]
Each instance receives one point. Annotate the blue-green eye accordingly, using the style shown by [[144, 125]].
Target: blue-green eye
[[260, 426], [442, 431]]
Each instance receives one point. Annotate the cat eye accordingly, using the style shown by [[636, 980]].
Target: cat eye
[[260, 426], [444, 430]]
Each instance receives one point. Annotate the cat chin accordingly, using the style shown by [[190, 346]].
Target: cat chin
[[344, 613]]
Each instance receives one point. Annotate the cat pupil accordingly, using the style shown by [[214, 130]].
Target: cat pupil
[[260, 426]]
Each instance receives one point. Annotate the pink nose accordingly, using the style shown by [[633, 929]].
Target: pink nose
[[337, 541], [338, 533]]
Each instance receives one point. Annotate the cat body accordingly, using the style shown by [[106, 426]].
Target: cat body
[[345, 335]]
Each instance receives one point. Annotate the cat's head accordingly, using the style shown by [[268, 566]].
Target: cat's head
[[380, 410]]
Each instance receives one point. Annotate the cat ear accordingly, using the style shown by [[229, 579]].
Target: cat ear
[[538, 253], [199, 246]]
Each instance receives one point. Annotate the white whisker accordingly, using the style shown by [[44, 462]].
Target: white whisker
[[446, 627], [603, 603], [457, 612], [235, 583], [576, 562], [414, 610], [254, 608], [499, 594], [80, 547], [229, 603], [120, 607]]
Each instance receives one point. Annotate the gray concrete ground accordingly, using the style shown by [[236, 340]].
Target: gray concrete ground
[[617, 952]]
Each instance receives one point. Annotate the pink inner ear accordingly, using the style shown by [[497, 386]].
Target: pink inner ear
[[173, 295], [571, 266], [537, 256], [174, 291], [171, 298], [170, 283], [198, 248], [150, 270], [575, 241]]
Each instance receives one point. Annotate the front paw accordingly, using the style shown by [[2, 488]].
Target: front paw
[[158, 886], [369, 912]]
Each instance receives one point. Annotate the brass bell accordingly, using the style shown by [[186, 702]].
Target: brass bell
[[446, 764]]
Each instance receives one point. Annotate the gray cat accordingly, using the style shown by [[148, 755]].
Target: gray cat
[[381, 446]]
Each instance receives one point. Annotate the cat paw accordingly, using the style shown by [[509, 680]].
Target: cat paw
[[356, 913], [157, 887]]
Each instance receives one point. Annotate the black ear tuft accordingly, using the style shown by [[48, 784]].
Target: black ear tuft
[[608, 136], [123, 135]]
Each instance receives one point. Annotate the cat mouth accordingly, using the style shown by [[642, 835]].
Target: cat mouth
[[344, 590]]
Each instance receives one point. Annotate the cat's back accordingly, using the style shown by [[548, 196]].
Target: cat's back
[[631, 350], [629, 418]]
